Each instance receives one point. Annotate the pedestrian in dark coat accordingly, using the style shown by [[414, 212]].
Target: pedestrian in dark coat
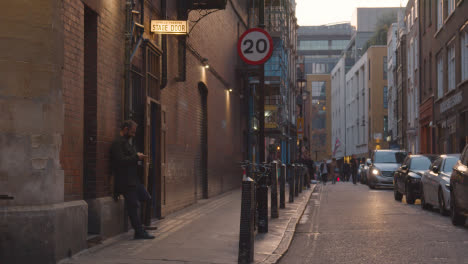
[[124, 162], [354, 169]]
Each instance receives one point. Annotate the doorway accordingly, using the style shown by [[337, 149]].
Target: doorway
[[202, 182], [90, 104]]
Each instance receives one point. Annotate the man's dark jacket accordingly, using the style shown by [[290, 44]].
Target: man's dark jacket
[[124, 162]]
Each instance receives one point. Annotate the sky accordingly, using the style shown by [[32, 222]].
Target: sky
[[321, 12]]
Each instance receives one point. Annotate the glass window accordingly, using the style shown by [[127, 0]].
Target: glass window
[[389, 157], [416, 8], [440, 76], [440, 13], [313, 45], [339, 44], [451, 67], [464, 53], [449, 163], [317, 96], [385, 67], [420, 163], [385, 97], [416, 55], [385, 126], [451, 6]]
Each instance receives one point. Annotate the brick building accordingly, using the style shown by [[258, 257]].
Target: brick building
[[65, 95], [444, 62]]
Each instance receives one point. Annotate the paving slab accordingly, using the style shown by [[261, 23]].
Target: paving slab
[[207, 232]]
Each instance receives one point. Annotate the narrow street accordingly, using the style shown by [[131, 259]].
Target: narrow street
[[346, 223]]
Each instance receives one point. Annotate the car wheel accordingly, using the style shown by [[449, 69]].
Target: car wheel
[[442, 203], [396, 194], [409, 195], [424, 205], [457, 219]]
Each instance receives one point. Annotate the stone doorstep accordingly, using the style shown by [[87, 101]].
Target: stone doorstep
[[288, 235]]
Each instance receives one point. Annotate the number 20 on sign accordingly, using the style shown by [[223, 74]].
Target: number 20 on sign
[[255, 46]]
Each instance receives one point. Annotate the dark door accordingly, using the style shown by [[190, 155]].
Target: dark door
[[203, 155], [154, 166], [90, 105]]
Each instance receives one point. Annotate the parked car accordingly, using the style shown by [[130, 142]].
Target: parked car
[[407, 179], [364, 171], [435, 183], [459, 190], [382, 167]]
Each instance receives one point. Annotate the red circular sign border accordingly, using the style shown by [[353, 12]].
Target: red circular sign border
[[242, 55]]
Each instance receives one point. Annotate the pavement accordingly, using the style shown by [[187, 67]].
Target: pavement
[[206, 232]]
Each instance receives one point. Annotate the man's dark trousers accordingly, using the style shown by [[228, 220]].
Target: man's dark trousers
[[133, 196]]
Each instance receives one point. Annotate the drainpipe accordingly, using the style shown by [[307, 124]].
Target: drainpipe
[[128, 39], [164, 48]]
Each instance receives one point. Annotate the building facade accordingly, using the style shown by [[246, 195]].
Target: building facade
[[338, 106], [319, 113], [67, 88], [367, 103], [357, 105], [413, 72], [392, 41], [450, 51], [320, 47]]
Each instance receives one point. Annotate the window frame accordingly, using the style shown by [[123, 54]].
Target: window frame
[[440, 75]]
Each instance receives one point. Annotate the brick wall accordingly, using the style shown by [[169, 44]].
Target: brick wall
[[110, 83], [110, 47], [71, 155], [215, 38]]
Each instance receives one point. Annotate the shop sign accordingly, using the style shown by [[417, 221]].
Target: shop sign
[[451, 102], [300, 128], [172, 27]]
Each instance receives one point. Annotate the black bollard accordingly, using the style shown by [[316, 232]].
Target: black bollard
[[282, 188], [247, 232], [291, 177], [262, 196], [296, 179], [274, 189], [301, 178]]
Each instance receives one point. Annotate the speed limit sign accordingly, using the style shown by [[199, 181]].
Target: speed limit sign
[[255, 46]]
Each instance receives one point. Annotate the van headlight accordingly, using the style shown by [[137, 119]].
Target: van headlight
[[375, 172]]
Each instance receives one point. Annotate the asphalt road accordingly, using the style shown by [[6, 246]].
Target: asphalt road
[[346, 223]]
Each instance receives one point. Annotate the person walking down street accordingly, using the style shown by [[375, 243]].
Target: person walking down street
[[345, 171], [124, 162], [354, 169], [324, 172]]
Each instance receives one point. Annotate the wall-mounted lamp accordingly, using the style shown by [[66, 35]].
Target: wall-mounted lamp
[[205, 63], [230, 90]]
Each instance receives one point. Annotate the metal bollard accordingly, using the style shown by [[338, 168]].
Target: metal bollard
[[292, 177], [274, 190], [296, 183], [282, 188], [247, 231], [301, 178], [262, 196]]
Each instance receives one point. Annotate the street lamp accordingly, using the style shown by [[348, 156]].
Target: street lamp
[[301, 82]]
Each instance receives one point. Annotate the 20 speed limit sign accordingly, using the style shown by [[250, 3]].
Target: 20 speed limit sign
[[255, 46]]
